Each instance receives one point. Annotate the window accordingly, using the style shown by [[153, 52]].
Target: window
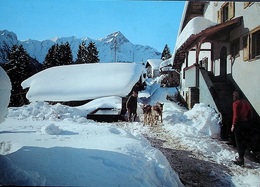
[[234, 48], [251, 45], [256, 44], [226, 12]]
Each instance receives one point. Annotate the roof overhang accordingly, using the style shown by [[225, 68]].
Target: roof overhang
[[193, 9], [209, 34]]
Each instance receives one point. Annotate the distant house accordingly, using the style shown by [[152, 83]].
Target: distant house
[[171, 77], [153, 66], [166, 66], [217, 51]]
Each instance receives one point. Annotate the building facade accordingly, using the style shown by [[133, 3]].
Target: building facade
[[218, 51]]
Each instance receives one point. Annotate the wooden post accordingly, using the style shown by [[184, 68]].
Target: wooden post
[[198, 45]]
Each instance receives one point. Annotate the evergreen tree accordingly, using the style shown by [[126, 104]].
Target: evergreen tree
[[82, 54], [58, 55], [92, 51], [51, 58], [166, 54], [4, 51], [18, 69], [65, 54], [35, 66]]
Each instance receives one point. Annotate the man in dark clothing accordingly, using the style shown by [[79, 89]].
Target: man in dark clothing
[[131, 105], [242, 115]]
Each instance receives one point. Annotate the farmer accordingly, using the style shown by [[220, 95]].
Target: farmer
[[131, 105], [242, 115]]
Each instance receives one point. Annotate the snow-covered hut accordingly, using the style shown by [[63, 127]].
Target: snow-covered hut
[[83, 82]]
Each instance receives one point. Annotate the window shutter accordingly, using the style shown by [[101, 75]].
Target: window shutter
[[231, 10], [246, 47], [219, 17]]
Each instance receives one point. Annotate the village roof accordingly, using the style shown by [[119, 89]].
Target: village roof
[[83, 81], [155, 63], [166, 63]]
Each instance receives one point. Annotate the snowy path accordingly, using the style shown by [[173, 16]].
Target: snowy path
[[206, 162]]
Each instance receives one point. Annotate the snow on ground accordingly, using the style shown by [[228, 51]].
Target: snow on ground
[[42, 144], [56, 145], [74, 151]]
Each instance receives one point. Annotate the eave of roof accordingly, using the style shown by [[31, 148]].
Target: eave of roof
[[192, 9], [203, 36], [207, 33]]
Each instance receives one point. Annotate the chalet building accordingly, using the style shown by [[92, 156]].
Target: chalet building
[[217, 51]]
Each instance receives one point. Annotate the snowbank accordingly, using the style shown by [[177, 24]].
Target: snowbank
[[205, 120], [54, 145]]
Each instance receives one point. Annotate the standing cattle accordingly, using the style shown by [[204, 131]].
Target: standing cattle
[[147, 111], [157, 110], [152, 113]]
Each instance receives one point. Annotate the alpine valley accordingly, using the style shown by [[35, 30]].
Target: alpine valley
[[113, 48]]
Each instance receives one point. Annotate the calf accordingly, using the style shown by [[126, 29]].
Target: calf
[[147, 111], [157, 110]]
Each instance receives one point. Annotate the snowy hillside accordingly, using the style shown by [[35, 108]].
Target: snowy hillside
[[125, 50]]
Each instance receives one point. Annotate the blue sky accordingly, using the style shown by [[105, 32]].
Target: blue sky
[[153, 23]]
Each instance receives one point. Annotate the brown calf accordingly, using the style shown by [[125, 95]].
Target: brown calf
[[152, 113], [147, 111], [157, 110]]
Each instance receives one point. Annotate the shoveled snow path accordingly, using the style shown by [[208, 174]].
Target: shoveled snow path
[[193, 166]]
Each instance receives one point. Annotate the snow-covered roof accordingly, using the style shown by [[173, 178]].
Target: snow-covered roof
[[166, 63], [155, 63], [195, 26], [167, 68], [83, 81]]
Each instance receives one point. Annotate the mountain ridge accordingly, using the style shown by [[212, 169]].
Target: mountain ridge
[[115, 47]]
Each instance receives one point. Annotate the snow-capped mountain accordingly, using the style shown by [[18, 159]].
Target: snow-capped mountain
[[113, 48]]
